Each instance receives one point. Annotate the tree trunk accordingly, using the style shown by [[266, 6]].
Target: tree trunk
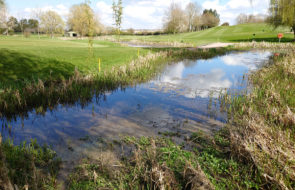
[[38, 33]]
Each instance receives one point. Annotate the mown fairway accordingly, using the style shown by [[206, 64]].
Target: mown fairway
[[45, 58], [237, 33]]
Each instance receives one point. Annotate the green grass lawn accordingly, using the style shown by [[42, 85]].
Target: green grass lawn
[[237, 33], [27, 58], [23, 59]]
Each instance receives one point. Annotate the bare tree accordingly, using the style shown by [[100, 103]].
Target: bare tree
[[52, 23], [37, 13], [193, 15], [4, 18], [242, 18], [175, 19]]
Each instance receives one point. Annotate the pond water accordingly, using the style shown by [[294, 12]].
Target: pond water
[[178, 100]]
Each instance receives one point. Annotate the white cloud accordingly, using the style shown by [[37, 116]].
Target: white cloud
[[148, 14], [105, 12], [249, 60], [140, 14], [61, 9], [191, 86], [230, 10]]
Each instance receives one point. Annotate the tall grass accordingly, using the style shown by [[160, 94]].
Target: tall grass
[[262, 124], [27, 166]]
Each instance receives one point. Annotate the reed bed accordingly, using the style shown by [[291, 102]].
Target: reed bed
[[266, 45]]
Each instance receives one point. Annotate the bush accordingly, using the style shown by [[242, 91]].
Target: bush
[[225, 24]]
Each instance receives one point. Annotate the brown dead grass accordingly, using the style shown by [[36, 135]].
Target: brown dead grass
[[263, 123]]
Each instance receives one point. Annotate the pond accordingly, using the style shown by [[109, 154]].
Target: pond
[[182, 99]]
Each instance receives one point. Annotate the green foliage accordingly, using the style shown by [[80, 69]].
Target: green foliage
[[283, 12], [117, 14], [30, 164], [223, 170], [150, 159]]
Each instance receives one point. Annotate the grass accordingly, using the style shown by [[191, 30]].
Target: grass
[[262, 123], [27, 166], [24, 59], [158, 163], [237, 33]]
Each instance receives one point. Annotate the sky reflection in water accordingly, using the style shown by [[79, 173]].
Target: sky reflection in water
[[176, 100]]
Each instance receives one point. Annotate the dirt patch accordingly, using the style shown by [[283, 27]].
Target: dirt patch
[[216, 45]]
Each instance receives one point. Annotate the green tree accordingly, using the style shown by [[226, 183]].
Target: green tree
[[83, 20], [23, 25], [283, 13], [2, 3], [117, 15], [210, 18], [12, 24]]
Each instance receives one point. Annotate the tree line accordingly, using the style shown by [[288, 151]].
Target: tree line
[[189, 19], [84, 21], [81, 19]]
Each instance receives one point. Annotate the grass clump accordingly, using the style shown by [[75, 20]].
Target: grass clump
[[153, 164], [262, 123], [28, 166], [223, 170], [205, 162]]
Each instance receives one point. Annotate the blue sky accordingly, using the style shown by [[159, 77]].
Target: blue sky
[[139, 14]]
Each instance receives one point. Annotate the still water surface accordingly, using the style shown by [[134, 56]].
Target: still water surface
[[177, 100]]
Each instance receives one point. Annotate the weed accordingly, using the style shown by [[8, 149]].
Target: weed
[[28, 165]]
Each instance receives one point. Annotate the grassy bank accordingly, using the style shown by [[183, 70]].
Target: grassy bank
[[237, 33], [202, 162], [29, 59], [27, 166], [262, 123]]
